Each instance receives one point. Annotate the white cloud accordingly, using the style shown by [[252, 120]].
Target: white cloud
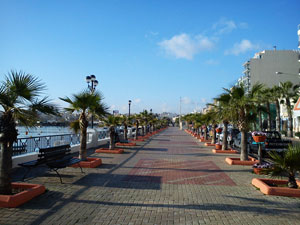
[[186, 100], [224, 26], [151, 34], [243, 25], [136, 101], [203, 100], [211, 62], [242, 47], [185, 46]]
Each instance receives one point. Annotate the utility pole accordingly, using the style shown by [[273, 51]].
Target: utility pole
[[180, 123]]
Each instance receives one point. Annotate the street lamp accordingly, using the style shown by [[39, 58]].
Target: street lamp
[[129, 103], [92, 84]]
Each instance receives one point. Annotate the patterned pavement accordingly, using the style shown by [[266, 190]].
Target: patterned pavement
[[170, 179]]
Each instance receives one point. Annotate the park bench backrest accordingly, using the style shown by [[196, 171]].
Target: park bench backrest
[[53, 153]]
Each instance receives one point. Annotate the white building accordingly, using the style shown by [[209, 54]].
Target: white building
[[270, 67]]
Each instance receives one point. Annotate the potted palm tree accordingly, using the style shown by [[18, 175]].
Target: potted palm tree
[[124, 120], [20, 101], [86, 104], [283, 166], [112, 122], [289, 94], [243, 106]]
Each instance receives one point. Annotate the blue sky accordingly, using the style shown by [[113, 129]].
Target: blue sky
[[152, 52]]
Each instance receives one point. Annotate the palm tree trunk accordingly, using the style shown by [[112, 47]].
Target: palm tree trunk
[[82, 152], [205, 133], [213, 140], [5, 168], [268, 115], [289, 111], [8, 135], [83, 124], [244, 153], [125, 132], [225, 135], [292, 181], [112, 138], [260, 120], [277, 116], [136, 130]]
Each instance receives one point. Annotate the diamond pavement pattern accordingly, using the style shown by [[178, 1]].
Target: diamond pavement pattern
[[179, 172]]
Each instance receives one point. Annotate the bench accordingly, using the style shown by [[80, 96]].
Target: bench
[[54, 158]]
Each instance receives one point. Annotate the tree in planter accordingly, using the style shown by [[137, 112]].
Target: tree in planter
[[144, 121], [197, 121], [212, 118], [243, 106], [86, 104], [265, 97], [276, 95], [205, 121], [289, 93], [287, 165], [136, 121], [225, 114], [124, 120], [152, 123], [188, 120], [112, 122], [19, 101]]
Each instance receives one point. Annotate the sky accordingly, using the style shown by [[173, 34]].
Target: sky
[[151, 52]]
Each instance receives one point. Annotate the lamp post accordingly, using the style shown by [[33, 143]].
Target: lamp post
[[129, 103], [92, 83]]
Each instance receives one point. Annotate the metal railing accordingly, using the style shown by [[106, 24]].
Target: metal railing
[[103, 134], [33, 144]]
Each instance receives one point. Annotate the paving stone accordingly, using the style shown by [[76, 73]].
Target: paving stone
[[170, 179]]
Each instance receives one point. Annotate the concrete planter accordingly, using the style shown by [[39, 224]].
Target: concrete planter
[[30, 191], [225, 151], [237, 161], [126, 144], [90, 163], [218, 147], [209, 144], [107, 150], [266, 186]]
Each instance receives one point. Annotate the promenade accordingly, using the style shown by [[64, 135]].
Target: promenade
[[169, 179]]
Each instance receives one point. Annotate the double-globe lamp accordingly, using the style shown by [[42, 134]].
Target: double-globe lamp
[[92, 83]]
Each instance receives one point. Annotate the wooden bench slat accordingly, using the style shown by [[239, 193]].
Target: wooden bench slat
[[55, 158]]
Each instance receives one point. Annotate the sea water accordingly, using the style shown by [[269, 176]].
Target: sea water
[[26, 132]]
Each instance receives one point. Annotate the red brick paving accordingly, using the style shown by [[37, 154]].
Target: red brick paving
[[179, 172]]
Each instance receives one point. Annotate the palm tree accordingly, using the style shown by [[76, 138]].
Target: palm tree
[[112, 121], [144, 121], [286, 166], [265, 96], [86, 104], [205, 121], [243, 106], [137, 119], [19, 101], [289, 92], [124, 120], [276, 95], [225, 113]]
